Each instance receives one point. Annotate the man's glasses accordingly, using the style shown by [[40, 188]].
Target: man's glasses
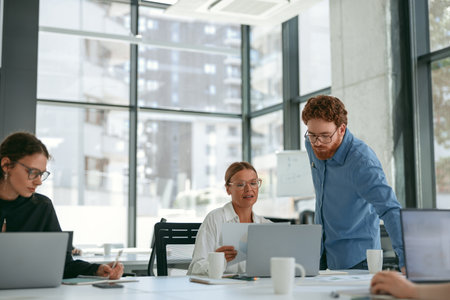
[[323, 138], [240, 185], [34, 173]]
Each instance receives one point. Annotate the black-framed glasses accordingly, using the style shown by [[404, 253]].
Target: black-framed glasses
[[240, 185], [34, 173], [323, 138]]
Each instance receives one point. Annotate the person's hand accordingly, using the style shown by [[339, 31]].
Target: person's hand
[[108, 271], [393, 283], [229, 252], [76, 251], [403, 269]]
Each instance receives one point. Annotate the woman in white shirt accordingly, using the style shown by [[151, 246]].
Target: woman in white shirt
[[242, 183]]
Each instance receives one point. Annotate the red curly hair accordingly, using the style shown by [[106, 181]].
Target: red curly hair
[[327, 108]]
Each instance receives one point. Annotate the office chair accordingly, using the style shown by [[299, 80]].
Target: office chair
[[307, 217], [151, 262], [172, 234]]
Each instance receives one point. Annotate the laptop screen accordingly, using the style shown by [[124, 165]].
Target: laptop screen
[[426, 240]]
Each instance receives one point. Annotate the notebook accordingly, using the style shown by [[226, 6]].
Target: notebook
[[426, 241], [273, 240], [32, 259]]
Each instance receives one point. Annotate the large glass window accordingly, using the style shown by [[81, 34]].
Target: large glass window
[[439, 19], [266, 66], [267, 139], [89, 170], [314, 48], [181, 166], [71, 68], [441, 118], [198, 68], [101, 16]]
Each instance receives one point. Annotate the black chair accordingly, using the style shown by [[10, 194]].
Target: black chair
[[307, 217], [151, 262], [172, 234]]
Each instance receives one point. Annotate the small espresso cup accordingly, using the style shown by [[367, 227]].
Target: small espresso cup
[[374, 260], [216, 264], [282, 271]]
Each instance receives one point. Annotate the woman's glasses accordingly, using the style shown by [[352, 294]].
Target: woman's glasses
[[34, 173], [240, 185]]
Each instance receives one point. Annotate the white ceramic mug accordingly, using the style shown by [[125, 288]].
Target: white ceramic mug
[[374, 260], [282, 271], [107, 249], [216, 264]]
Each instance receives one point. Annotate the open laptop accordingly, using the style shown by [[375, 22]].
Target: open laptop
[[32, 259], [274, 240], [426, 241]]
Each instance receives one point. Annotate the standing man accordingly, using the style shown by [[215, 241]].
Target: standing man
[[351, 188]]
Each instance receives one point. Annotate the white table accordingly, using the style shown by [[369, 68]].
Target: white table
[[179, 288]]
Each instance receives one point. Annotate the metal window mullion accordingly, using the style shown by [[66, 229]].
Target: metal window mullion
[[132, 152], [422, 105], [246, 108], [291, 85]]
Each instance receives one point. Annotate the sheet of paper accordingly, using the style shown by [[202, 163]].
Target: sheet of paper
[[235, 234], [341, 280]]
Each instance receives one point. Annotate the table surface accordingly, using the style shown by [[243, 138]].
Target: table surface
[[178, 288]]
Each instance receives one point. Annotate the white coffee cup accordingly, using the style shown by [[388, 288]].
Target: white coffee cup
[[374, 260], [282, 271], [216, 264], [107, 249]]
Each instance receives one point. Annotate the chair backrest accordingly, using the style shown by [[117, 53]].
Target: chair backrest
[[151, 262], [307, 217], [172, 234]]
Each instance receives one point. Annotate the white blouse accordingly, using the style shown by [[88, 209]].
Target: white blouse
[[209, 238]]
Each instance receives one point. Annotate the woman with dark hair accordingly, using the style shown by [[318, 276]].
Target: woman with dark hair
[[242, 183], [23, 162]]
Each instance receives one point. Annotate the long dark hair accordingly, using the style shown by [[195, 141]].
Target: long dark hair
[[19, 145]]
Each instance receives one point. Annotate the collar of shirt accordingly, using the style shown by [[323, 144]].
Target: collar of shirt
[[230, 214], [341, 153]]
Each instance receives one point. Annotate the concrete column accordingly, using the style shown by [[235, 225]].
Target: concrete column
[[361, 59]]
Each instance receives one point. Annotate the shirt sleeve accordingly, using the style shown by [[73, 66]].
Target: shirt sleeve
[[204, 243], [372, 186]]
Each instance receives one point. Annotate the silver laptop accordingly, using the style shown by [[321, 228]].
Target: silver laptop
[[426, 241], [32, 259], [273, 240]]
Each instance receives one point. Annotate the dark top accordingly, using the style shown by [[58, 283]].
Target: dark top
[[36, 214]]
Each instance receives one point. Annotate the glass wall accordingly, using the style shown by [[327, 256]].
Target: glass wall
[[314, 48], [266, 66], [186, 71], [440, 74], [439, 21]]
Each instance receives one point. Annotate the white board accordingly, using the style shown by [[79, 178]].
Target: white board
[[294, 175]]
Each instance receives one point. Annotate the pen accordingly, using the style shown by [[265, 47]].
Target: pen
[[117, 258]]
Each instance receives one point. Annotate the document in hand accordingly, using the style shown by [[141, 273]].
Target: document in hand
[[235, 234]]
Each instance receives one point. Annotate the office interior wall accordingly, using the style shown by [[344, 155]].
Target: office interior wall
[[19, 66], [361, 59]]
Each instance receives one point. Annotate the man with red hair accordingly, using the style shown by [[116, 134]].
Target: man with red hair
[[352, 193]]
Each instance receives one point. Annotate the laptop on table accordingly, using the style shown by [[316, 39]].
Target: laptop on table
[[274, 240], [32, 259], [426, 242]]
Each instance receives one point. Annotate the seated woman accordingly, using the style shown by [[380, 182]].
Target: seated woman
[[393, 283], [23, 161], [242, 183]]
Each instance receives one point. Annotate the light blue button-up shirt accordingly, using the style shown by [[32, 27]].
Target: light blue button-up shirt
[[351, 195]]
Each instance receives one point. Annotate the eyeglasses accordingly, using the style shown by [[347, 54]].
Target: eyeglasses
[[240, 185], [323, 138], [34, 173]]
